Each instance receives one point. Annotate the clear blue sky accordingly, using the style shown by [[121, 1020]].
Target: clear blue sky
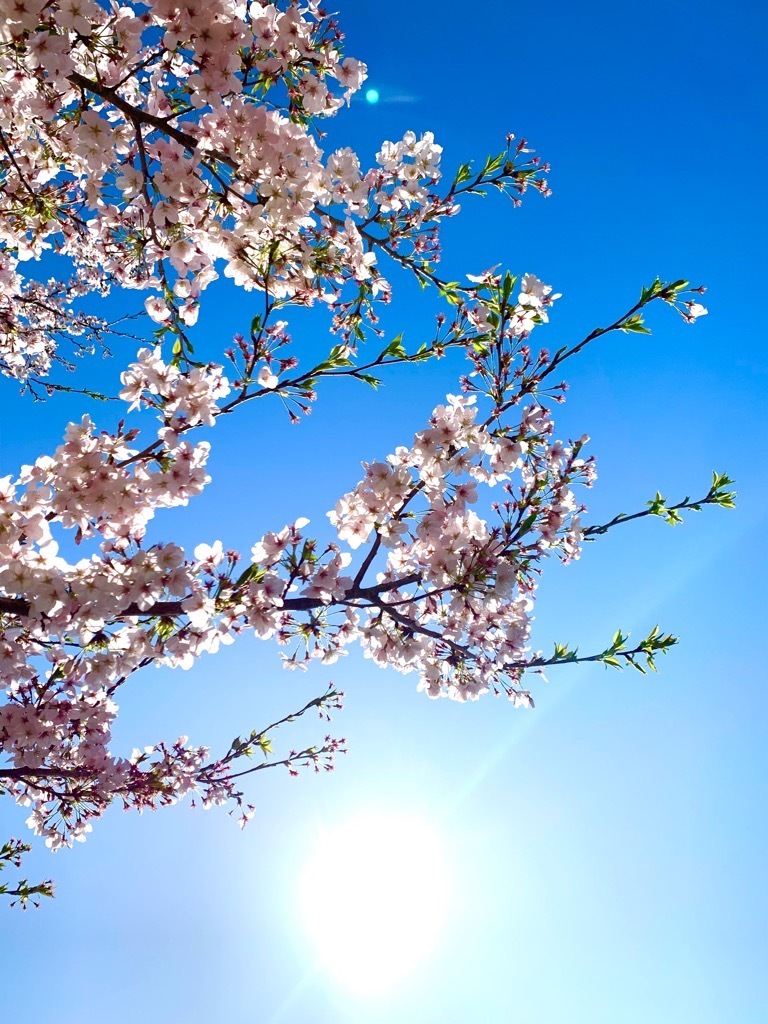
[[608, 849]]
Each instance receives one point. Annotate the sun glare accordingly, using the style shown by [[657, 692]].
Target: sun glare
[[375, 897]]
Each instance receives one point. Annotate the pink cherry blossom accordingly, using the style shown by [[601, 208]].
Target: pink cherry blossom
[[153, 148]]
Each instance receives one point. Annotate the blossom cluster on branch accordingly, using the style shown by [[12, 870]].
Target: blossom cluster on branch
[[153, 146]]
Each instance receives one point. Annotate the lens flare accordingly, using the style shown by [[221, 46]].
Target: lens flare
[[375, 896]]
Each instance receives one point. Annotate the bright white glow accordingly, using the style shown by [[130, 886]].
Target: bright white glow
[[375, 897]]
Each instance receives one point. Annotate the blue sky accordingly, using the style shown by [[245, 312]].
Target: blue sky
[[606, 851]]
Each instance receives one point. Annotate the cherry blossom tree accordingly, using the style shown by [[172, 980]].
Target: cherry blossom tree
[[154, 146]]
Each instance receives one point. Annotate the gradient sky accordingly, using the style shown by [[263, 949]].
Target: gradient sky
[[606, 852]]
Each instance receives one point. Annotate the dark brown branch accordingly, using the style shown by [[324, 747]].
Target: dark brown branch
[[135, 114], [171, 609], [596, 531]]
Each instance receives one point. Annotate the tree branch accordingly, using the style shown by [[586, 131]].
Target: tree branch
[[134, 114]]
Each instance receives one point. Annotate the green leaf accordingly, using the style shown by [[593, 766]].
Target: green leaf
[[253, 572], [635, 325], [526, 524], [493, 163], [608, 659], [449, 291], [562, 653], [657, 505], [464, 173], [651, 291], [720, 480], [395, 347]]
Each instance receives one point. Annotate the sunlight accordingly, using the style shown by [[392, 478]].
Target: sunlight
[[375, 896]]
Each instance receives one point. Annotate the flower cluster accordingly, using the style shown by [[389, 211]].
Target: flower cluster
[[462, 622], [185, 399], [137, 142], [154, 146], [35, 315]]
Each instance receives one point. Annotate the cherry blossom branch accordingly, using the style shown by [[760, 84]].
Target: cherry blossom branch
[[629, 322], [304, 382], [155, 182], [20, 607], [134, 114], [616, 655], [23, 894], [716, 495], [12, 158]]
